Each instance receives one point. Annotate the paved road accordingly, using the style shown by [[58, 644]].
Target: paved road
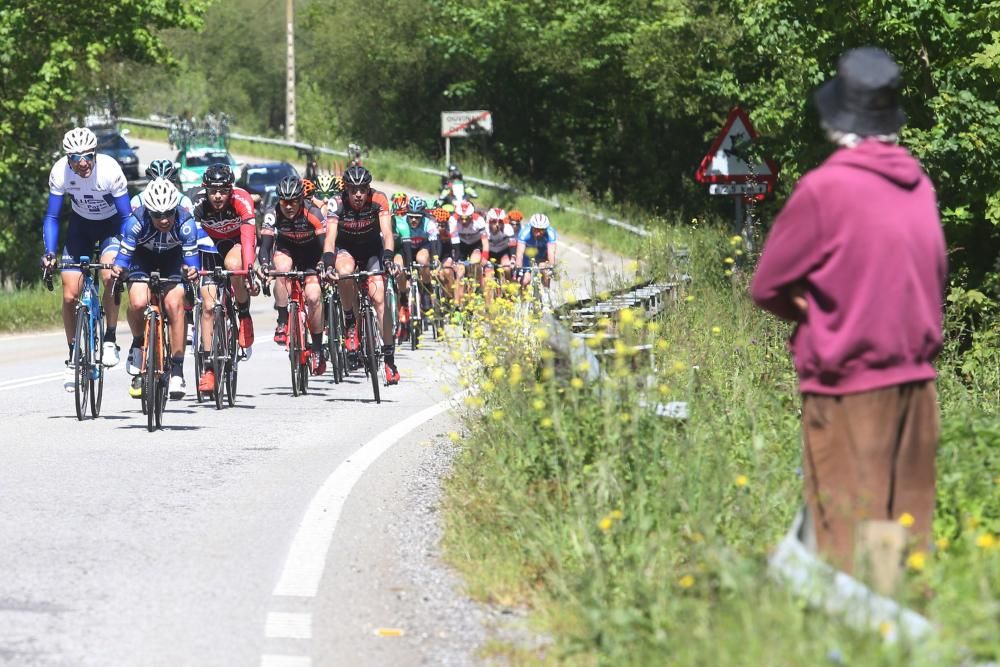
[[220, 540]]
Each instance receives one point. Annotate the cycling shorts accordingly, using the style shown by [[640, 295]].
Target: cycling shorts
[[82, 235], [422, 245], [304, 256], [363, 261], [465, 250], [145, 261], [506, 252]]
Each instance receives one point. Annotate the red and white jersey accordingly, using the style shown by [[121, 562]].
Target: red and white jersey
[[501, 239], [470, 234], [227, 223]]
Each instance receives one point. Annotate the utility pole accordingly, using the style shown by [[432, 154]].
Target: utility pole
[[290, 82]]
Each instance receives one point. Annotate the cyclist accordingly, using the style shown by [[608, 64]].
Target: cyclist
[[226, 213], [309, 189], [328, 188], [166, 169], [454, 189], [515, 217], [159, 236], [424, 244], [398, 208], [98, 195], [536, 242], [502, 244], [469, 244], [359, 234], [295, 230]]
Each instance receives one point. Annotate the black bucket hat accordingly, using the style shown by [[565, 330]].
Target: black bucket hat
[[863, 97]]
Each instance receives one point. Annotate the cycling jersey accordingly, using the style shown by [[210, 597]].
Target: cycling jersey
[[535, 249], [425, 232], [400, 229], [501, 239], [472, 233], [235, 222], [359, 230], [138, 232], [307, 226], [102, 196]]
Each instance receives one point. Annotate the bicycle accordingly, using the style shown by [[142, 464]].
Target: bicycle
[[416, 290], [333, 317], [225, 354], [155, 372], [369, 332], [540, 300], [299, 352], [88, 336]]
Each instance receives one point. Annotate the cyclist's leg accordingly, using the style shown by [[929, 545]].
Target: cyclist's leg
[[110, 245], [346, 264], [138, 299], [459, 285], [234, 262], [79, 243], [171, 266], [446, 274]]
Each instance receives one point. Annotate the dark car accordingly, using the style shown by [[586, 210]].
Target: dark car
[[262, 179], [111, 142]]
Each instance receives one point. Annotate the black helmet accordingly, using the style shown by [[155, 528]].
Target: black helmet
[[453, 171], [160, 169], [218, 175], [357, 176], [291, 187]]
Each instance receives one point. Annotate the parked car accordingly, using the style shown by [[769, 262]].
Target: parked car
[[262, 179], [111, 142], [193, 162]]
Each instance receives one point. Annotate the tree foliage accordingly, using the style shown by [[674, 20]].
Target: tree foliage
[[51, 57]]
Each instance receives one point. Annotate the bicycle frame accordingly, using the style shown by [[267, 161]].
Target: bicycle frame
[[369, 328], [155, 362], [224, 355], [299, 353]]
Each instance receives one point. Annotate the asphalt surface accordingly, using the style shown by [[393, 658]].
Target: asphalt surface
[[124, 547]]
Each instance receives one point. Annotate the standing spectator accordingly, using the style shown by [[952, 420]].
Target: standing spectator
[[857, 259]]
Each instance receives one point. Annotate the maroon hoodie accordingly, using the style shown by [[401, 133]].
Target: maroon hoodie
[[862, 238]]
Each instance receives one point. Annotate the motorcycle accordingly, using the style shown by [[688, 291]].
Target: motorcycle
[[455, 191]]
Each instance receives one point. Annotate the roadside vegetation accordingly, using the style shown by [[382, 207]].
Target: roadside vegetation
[[637, 540]]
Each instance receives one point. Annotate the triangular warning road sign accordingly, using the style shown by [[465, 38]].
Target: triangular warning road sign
[[726, 161]]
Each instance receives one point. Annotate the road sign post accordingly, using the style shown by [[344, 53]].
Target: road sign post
[[463, 124], [731, 167]]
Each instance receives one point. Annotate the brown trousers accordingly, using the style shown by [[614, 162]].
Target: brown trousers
[[869, 456]]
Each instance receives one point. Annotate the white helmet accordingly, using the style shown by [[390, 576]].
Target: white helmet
[[160, 196], [496, 215], [539, 221], [79, 140]]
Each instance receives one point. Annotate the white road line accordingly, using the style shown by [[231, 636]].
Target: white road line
[[575, 250], [307, 556], [7, 339], [4, 383], [274, 660], [285, 625]]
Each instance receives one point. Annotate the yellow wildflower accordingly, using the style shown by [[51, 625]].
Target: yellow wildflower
[[515, 374], [942, 543], [498, 415], [627, 316], [679, 366], [576, 383], [538, 404], [605, 524], [986, 541], [916, 561], [616, 515], [454, 436], [741, 480], [625, 417], [487, 385], [583, 367], [906, 520], [735, 240], [632, 266], [546, 422], [541, 333], [687, 581], [689, 298], [729, 260], [662, 345], [490, 359], [728, 272], [885, 628], [498, 373], [653, 327], [547, 373], [663, 389], [716, 330]]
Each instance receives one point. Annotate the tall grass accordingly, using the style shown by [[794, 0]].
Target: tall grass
[[30, 308], [639, 540]]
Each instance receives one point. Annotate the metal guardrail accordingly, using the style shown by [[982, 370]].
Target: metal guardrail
[[503, 187]]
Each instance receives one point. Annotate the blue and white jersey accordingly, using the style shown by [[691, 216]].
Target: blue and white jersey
[[425, 232], [205, 243], [528, 239], [139, 232], [93, 197], [99, 197]]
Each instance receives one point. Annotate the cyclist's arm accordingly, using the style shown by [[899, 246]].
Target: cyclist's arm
[[485, 254], [122, 204], [519, 253], [131, 229], [551, 250], [385, 225], [243, 205], [267, 238], [189, 243], [330, 242], [50, 223]]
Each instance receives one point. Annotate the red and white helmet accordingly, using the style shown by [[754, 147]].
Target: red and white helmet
[[496, 215], [465, 210]]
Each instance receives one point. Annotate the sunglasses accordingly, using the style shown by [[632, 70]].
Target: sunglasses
[[76, 157], [289, 202], [219, 191], [163, 214]]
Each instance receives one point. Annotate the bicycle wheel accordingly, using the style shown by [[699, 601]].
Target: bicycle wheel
[[164, 363], [293, 344], [197, 347], [371, 350], [333, 336], [81, 356], [304, 369], [416, 318], [150, 375], [232, 365], [437, 322], [97, 372], [219, 354]]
